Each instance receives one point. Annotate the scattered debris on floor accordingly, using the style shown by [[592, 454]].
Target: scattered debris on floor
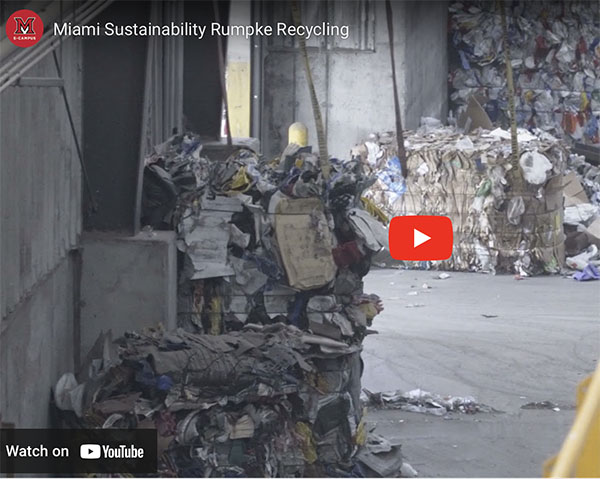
[[583, 259], [380, 457], [539, 405], [421, 401], [546, 405], [408, 471], [589, 273]]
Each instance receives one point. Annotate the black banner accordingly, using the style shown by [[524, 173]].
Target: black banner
[[77, 451]]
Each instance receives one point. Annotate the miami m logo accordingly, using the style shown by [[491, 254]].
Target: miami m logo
[[24, 27]]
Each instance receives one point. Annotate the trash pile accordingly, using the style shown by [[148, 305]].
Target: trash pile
[[262, 377], [264, 401], [546, 405], [582, 217], [588, 176], [424, 402], [555, 57], [271, 241], [505, 218]]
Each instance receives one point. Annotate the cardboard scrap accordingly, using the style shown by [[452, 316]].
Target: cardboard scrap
[[573, 191], [593, 232], [475, 117], [304, 241]]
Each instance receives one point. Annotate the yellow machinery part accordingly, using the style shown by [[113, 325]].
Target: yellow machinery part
[[298, 134], [374, 210], [580, 452]]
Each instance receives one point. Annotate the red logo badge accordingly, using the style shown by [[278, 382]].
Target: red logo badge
[[420, 238], [24, 28]]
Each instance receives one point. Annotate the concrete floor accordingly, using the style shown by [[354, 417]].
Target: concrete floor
[[544, 338]]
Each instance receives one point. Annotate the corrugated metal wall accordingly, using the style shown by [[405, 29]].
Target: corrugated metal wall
[[40, 190]]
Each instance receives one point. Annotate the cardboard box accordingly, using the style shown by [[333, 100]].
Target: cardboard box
[[573, 191]]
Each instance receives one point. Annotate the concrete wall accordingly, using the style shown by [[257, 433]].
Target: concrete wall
[[36, 347], [127, 283], [354, 85]]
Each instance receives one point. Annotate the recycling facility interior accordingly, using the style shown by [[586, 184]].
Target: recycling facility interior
[[256, 276]]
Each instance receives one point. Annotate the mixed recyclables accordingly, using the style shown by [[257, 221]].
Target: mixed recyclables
[[555, 56], [506, 217], [262, 377]]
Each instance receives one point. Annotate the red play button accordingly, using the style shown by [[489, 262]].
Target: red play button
[[420, 238]]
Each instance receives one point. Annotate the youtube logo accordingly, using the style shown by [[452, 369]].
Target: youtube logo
[[90, 451], [420, 238]]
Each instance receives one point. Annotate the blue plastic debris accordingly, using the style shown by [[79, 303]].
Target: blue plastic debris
[[589, 273]]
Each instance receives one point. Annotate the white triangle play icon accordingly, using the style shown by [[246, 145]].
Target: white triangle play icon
[[420, 238]]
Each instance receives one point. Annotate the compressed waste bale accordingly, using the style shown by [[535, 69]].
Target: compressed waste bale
[[260, 238], [263, 376], [555, 56], [264, 401], [506, 218]]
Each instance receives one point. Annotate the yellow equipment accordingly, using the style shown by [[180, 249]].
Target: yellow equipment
[[298, 134], [580, 452]]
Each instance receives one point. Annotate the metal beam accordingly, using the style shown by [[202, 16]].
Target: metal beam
[[256, 77], [40, 82], [14, 67]]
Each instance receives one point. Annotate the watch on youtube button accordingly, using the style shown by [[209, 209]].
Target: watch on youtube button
[[420, 238]]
